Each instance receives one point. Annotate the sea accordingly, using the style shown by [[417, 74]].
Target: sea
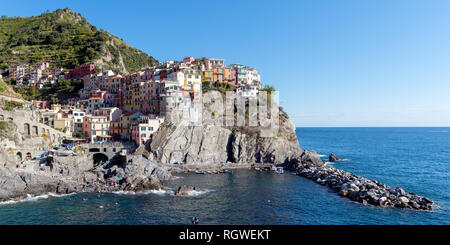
[[416, 159]]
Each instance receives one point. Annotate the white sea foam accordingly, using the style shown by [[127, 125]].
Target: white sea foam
[[321, 155], [177, 177], [124, 192], [31, 198], [194, 193], [61, 195], [156, 192], [159, 192]]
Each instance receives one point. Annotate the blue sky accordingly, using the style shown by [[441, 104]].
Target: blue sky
[[335, 63]]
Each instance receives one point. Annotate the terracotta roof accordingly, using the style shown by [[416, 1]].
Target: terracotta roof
[[96, 98]]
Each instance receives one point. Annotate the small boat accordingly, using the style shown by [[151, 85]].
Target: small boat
[[279, 170], [228, 171], [199, 172], [257, 169]]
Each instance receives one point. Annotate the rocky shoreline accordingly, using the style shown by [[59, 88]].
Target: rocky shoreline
[[75, 174], [143, 175], [363, 190]]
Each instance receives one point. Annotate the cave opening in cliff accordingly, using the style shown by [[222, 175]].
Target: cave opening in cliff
[[100, 158], [119, 160]]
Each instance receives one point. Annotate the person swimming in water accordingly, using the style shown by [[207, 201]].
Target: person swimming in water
[[194, 220]]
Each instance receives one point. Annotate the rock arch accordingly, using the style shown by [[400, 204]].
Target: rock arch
[[94, 150], [99, 158]]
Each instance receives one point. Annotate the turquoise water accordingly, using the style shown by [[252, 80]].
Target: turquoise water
[[417, 159]]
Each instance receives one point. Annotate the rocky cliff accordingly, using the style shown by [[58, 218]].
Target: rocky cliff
[[210, 144]]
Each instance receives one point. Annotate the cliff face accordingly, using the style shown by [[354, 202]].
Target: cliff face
[[209, 144]]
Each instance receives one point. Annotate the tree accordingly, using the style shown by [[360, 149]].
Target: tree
[[79, 135], [54, 100]]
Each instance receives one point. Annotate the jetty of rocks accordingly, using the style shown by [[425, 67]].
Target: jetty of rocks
[[363, 190]]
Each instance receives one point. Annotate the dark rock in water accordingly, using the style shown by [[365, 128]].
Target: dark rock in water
[[184, 190], [334, 158]]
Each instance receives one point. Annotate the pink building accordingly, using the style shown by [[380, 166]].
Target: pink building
[[96, 128], [84, 70], [142, 132], [40, 105]]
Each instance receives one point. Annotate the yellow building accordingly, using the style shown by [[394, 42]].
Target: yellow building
[[207, 76], [64, 124]]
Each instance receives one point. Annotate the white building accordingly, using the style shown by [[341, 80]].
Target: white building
[[78, 119], [192, 77], [247, 91], [177, 77], [253, 77]]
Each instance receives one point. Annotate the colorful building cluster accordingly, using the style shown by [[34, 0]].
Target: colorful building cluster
[[131, 108], [37, 75]]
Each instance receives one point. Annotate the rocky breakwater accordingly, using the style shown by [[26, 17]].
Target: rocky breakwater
[[361, 189]]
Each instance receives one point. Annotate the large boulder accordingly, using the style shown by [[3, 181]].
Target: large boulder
[[185, 190], [334, 158]]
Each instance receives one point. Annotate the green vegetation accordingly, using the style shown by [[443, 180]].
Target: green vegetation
[[65, 39], [224, 87], [79, 135], [10, 105], [6, 89], [7, 129], [221, 87], [269, 89], [62, 91], [206, 86]]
